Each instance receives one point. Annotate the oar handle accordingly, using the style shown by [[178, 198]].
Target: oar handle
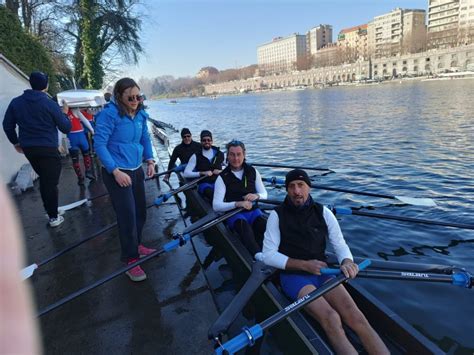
[[244, 339], [328, 271]]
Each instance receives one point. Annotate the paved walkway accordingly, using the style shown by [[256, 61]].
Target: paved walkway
[[167, 314]]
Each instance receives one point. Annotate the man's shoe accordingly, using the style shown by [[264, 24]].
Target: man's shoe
[[136, 274], [144, 251], [54, 222], [60, 213]]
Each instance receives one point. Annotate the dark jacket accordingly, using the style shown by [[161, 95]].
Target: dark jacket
[[38, 118], [203, 164], [303, 230], [236, 189], [183, 152]]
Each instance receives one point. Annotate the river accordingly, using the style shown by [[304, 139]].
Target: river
[[412, 139]]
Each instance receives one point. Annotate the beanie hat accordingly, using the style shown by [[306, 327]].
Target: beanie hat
[[38, 80], [297, 174], [185, 131], [206, 133]]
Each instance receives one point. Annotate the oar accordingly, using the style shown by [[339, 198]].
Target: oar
[[179, 241], [163, 198], [249, 335], [302, 167], [460, 277], [405, 199], [353, 211], [28, 271], [81, 202]]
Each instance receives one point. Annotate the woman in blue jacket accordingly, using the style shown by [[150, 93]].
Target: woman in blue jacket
[[122, 143]]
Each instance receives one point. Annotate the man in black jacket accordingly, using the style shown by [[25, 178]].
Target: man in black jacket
[[38, 119], [183, 151], [295, 241], [208, 161]]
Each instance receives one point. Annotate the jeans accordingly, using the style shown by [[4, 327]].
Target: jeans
[[46, 162], [130, 207]]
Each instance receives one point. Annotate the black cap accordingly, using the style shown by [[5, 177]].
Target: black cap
[[206, 133], [297, 174], [38, 80], [185, 131]]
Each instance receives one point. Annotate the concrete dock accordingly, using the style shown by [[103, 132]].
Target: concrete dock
[[169, 313]]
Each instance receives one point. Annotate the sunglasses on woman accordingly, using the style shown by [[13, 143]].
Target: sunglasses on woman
[[135, 98]]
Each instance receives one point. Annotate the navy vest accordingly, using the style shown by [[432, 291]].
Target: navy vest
[[203, 164], [303, 231], [236, 189]]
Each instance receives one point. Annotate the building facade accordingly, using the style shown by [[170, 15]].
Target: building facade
[[317, 38], [353, 42], [397, 32], [443, 23], [282, 55]]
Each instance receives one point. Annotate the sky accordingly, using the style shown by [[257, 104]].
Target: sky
[[182, 36]]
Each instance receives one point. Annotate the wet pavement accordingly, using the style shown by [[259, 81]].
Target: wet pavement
[[169, 313]]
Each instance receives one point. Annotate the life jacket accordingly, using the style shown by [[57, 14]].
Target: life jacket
[[303, 231], [76, 125], [203, 163], [236, 189]]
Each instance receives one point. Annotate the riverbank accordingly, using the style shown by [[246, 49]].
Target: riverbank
[[119, 317]]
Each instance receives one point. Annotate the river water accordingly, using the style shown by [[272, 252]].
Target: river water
[[412, 139]]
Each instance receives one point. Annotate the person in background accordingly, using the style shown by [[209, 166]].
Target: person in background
[[183, 151], [206, 162], [78, 142], [107, 96], [38, 119], [238, 185], [122, 143], [295, 241]]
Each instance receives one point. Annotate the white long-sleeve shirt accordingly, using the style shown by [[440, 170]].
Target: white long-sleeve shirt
[[218, 203], [189, 170], [271, 256]]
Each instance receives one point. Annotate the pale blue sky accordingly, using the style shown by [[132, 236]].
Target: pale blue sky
[[182, 36]]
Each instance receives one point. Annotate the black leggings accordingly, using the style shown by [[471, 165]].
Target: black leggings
[[251, 236]]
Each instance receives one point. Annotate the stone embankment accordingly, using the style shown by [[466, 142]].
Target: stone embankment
[[420, 64]]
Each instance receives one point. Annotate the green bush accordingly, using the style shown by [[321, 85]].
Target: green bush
[[23, 49]]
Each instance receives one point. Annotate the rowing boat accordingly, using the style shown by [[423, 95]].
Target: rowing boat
[[300, 334]]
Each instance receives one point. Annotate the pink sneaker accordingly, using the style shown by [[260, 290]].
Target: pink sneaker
[[136, 274], [144, 251]]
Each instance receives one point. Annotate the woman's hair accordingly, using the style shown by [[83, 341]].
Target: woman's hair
[[119, 88]]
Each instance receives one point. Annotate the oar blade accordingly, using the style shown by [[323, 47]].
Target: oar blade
[[415, 201], [28, 271], [72, 205]]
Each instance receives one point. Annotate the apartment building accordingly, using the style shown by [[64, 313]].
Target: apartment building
[[466, 22], [283, 55], [317, 38], [399, 31], [353, 42], [443, 23]]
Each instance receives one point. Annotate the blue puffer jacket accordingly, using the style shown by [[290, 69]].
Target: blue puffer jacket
[[38, 118], [120, 141]]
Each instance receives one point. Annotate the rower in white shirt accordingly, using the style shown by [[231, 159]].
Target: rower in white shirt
[[295, 241], [206, 162], [238, 185]]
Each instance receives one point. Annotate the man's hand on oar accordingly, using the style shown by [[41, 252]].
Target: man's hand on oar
[[164, 197], [353, 211], [303, 168], [249, 335], [428, 202], [179, 240]]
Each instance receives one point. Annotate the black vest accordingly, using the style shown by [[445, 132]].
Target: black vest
[[303, 231], [184, 152], [203, 164], [236, 189]]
